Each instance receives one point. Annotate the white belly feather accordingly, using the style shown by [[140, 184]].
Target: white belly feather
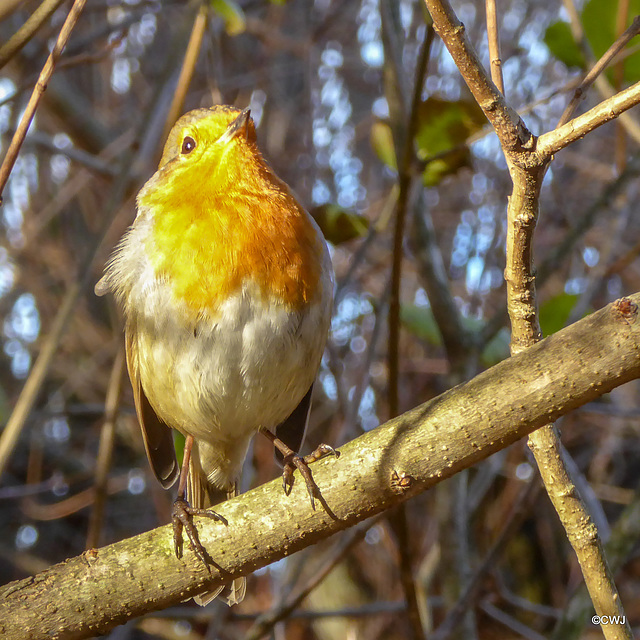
[[220, 382]]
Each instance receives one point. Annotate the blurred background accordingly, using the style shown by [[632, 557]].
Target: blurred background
[[337, 89]]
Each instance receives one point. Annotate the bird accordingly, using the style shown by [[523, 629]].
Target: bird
[[226, 286]]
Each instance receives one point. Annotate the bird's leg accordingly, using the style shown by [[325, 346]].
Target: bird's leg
[[291, 461], [182, 512]]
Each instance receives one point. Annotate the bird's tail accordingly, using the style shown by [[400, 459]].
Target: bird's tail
[[203, 495]]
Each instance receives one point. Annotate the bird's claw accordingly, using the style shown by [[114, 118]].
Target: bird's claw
[[294, 461], [182, 517]]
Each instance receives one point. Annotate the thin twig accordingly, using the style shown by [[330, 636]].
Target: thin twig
[[188, 67], [609, 109], [433, 277], [38, 91], [598, 68], [105, 449], [510, 622], [622, 16], [267, 621], [35, 225], [404, 181], [604, 88], [46, 511], [20, 38], [509, 128], [520, 510], [398, 519], [493, 37]]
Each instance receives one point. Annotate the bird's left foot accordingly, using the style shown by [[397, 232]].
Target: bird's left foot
[[292, 461], [182, 517]]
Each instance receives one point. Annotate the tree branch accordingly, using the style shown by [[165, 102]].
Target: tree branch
[[551, 142], [102, 588], [511, 131]]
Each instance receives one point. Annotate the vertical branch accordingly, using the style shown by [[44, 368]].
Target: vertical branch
[[527, 169], [493, 37], [404, 137], [618, 71], [105, 449], [522, 215], [404, 182]]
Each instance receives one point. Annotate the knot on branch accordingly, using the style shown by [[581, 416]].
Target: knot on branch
[[626, 310]]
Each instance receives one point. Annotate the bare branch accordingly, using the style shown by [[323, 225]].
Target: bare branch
[[598, 68], [38, 91], [493, 38], [511, 131], [551, 142], [21, 37]]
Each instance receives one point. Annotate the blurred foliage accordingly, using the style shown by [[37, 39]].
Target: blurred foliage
[[234, 19], [598, 19], [443, 129], [555, 312], [382, 143], [339, 224]]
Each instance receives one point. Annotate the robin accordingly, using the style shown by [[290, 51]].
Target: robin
[[226, 285]]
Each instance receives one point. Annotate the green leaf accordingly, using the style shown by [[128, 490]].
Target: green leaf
[[554, 313], [436, 170], [232, 14], [599, 23], [559, 40], [443, 128], [339, 224], [382, 143], [420, 322]]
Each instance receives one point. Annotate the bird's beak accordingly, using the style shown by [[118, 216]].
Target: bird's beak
[[239, 127]]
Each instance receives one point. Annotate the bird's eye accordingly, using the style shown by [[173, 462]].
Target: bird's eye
[[188, 145]]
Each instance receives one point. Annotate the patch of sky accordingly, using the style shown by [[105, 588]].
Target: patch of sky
[[26, 537], [514, 15], [614, 286], [121, 75], [420, 299], [368, 34], [467, 13], [333, 135], [367, 410], [60, 164], [591, 256], [57, 429], [7, 272], [136, 483], [575, 286], [21, 327], [328, 382]]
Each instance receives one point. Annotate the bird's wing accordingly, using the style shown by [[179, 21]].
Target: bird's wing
[[157, 436], [292, 430]]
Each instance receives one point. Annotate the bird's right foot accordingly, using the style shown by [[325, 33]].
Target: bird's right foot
[[182, 517]]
